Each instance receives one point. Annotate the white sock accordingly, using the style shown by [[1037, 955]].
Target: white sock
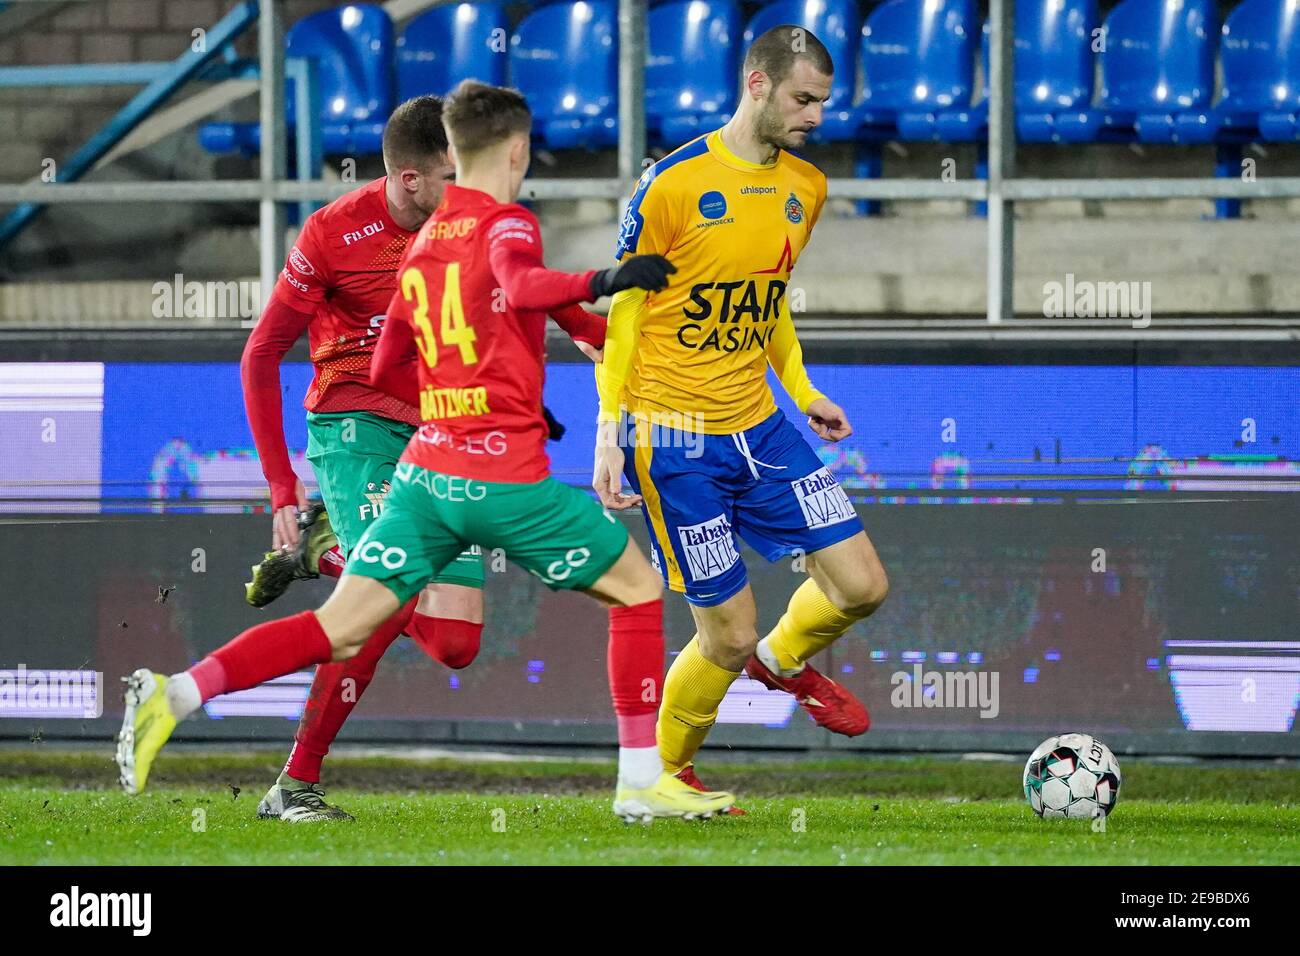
[[768, 657], [183, 695], [639, 767]]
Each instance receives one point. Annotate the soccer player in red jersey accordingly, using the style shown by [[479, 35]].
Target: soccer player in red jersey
[[336, 286], [472, 298]]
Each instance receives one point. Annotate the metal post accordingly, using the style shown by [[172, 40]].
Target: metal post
[[271, 218], [631, 88], [1002, 160], [307, 136]]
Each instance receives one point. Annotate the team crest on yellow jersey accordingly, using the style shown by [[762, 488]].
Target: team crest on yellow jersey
[[794, 209]]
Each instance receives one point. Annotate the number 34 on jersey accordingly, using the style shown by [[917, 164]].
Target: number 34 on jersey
[[453, 330]]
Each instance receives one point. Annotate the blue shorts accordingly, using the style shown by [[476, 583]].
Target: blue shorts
[[699, 491]]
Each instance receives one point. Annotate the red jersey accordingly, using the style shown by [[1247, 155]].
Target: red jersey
[[336, 286], [473, 297], [342, 271]]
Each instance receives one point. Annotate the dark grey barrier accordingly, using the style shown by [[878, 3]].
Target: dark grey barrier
[[1136, 621]]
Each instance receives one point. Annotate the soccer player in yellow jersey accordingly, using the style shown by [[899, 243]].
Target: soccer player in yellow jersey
[[710, 456]]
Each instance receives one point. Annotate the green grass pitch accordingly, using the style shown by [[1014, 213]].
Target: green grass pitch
[[63, 807]]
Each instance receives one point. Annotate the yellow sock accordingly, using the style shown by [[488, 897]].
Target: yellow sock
[[810, 624], [693, 690]]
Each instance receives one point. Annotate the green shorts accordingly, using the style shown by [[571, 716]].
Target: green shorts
[[547, 527], [353, 455]]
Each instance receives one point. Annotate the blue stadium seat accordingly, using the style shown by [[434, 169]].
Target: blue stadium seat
[[964, 124], [441, 47], [1053, 70], [1054, 63], [1158, 62], [917, 61], [352, 47], [836, 24], [1261, 78], [691, 70], [564, 58]]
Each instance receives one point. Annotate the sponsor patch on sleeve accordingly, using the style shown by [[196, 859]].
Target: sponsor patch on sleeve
[[512, 227], [300, 263]]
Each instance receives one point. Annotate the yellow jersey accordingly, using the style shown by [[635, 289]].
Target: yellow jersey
[[698, 351]]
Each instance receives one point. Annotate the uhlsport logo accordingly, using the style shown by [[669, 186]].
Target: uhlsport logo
[[794, 209], [710, 547], [822, 500], [77, 909]]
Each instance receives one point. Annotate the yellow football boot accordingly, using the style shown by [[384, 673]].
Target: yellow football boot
[[670, 797], [146, 726]]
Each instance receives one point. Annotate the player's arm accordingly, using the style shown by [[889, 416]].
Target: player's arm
[[282, 323], [622, 329], [515, 256], [393, 365], [587, 329], [582, 326], [300, 288], [648, 228], [785, 355]]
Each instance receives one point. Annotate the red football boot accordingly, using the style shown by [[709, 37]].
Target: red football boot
[[831, 705], [687, 776]]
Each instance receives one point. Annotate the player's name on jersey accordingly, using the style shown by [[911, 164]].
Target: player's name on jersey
[[440, 403]]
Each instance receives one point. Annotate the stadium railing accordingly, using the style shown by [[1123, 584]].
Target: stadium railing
[[272, 190]]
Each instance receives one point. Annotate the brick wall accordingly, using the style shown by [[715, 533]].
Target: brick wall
[[40, 123]]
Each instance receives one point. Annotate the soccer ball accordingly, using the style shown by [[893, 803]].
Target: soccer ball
[[1072, 775]]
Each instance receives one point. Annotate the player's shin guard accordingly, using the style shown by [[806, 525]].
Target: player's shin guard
[[335, 690], [447, 640], [693, 691], [810, 624], [636, 667]]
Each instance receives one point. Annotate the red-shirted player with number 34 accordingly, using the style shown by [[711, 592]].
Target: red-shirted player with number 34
[[476, 471]]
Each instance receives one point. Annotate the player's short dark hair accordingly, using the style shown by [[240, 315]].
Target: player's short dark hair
[[478, 116], [775, 52], [414, 137]]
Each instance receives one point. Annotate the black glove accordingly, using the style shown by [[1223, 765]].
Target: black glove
[[639, 272], [555, 431]]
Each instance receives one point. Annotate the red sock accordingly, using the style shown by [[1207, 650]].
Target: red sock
[[331, 700], [332, 563], [445, 639], [636, 670], [262, 653]]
